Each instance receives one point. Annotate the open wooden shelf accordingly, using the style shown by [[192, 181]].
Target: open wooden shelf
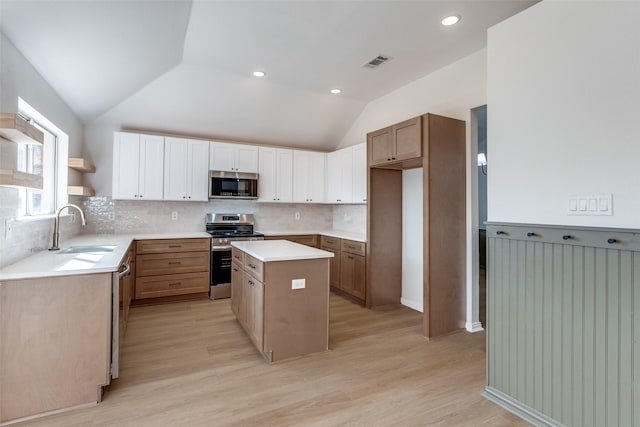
[[16, 129], [12, 178], [81, 165], [80, 190]]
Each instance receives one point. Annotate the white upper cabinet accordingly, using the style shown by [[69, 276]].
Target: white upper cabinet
[[340, 176], [360, 173], [186, 169], [137, 166], [233, 157], [309, 176], [275, 183]]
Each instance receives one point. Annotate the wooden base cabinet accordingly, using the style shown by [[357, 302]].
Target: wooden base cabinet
[[347, 275], [172, 268]]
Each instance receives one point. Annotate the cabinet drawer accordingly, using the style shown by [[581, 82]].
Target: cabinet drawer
[[353, 247], [173, 245], [171, 285], [303, 239], [254, 267], [330, 243], [238, 256], [187, 262]]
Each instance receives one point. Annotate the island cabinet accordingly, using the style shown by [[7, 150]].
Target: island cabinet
[[280, 296], [171, 269]]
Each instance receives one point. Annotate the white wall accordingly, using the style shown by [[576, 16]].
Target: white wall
[[451, 91], [564, 107], [18, 78], [412, 248]]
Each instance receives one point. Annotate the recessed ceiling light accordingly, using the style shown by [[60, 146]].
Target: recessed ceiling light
[[258, 73], [336, 91], [450, 20]]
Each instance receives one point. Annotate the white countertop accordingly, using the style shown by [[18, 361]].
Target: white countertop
[[280, 250], [53, 263], [358, 237]]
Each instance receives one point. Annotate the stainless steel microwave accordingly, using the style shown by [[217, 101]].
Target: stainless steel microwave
[[233, 185]]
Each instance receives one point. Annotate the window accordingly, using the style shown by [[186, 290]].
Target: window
[[47, 160]]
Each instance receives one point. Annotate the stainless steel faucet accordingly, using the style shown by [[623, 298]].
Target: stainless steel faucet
[[56, 225]]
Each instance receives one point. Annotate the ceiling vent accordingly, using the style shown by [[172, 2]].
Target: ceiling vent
[[377, 61]]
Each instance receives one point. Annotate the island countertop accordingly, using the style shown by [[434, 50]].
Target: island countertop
[[280, 250]]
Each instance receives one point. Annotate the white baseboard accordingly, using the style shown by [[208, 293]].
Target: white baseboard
[[411, 304], [520, 409], [474, 327]]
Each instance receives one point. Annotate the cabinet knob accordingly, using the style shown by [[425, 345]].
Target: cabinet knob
[[141, 196], [135, 195], [183, 197], [611, 241], [189, 197], [566, 237], [531, 234], [388, 158], [500, 233]]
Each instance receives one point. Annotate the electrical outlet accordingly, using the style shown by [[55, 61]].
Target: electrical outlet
[[298, 284], [111, 216], [297, 216], [174, 216]]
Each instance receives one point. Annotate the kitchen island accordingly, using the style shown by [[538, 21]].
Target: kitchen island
[[280, 296]]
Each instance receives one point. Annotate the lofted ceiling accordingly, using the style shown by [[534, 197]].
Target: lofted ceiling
[[185, 66]]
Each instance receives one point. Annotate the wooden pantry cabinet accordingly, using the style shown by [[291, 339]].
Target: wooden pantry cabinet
[[170, 269], [347, 270]]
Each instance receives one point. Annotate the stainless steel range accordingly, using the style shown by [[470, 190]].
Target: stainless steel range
[[224, 229]]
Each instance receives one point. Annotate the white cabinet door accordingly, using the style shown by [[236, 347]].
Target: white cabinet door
[[284, 181], [301, 176], [223, 157], [318, 178], [275, 183], [247, 158], [175, 168], [308, 177], [233, 157], [267, 180], [340, 176], [360, 173], [126, 165], [198, 171], [151, 176]]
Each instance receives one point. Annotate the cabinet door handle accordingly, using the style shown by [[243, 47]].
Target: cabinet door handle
[[175, 284], [235, 269], [252, 266], [350, 257], [611, 241], [174, 262], [175, 246], [566, 237]]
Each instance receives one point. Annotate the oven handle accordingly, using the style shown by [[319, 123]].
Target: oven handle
[[220, 248]]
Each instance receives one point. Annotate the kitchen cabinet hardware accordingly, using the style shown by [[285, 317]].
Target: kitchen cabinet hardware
[[251, 266], [567, 237], [175, 246], [531, 234], [235, 269], [612, 241], [175, 284], [500, 232], [174, 263]]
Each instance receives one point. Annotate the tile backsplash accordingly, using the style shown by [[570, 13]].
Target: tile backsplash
[[107, 216], [21, 237]]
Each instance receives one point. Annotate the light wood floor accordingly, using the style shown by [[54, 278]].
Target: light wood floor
[[190, 364]]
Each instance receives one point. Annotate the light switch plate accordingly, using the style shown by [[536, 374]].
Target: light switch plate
[[590, 204], [298, 284]]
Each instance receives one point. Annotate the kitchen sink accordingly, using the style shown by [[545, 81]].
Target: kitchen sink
[[89, 249]]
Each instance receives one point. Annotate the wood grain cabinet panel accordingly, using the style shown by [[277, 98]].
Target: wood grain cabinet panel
[[303, 239], [347, 272], [353, 247], [157, 246], [330, 243], [182, 262], [396, 143], [171, 285], [172, 268]]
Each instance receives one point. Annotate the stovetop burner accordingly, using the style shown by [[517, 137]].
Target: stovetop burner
[[231, 226]]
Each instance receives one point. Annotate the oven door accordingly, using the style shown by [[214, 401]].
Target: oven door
[[220, 272]]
